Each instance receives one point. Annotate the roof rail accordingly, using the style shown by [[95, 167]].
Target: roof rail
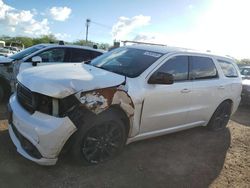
[[137, 42]]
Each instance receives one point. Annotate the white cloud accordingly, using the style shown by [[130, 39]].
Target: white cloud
[[3, 9], [38, 28], [125, 26], [21, 22], [60, 13], [223, 28]]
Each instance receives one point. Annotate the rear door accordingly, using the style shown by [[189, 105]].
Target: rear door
[[82, 55], [207, 89]]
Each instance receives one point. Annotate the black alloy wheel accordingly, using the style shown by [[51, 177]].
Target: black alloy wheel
[[220, 117], [102, 142]]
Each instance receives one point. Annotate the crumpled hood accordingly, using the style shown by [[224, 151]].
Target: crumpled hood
[[62, 80], [5, 60]]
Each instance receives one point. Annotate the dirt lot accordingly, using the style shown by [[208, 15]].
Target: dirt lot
[[192, 158]]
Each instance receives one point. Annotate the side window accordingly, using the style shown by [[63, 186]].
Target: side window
[[202, 68], [80, 55], [177, 66], [228, 68], [55, 55], [245, 71], [95, 54]]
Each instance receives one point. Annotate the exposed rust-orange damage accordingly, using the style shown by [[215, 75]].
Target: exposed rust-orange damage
[[100, 99]]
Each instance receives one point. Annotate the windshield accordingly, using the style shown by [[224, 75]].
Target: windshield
[[27, 52], [126, 61]]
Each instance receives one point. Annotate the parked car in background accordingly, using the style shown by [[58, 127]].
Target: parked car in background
[[5, 52], [40, 55], [245, 72], [14, 50], [245, 91], [2, 44], [125, 95]]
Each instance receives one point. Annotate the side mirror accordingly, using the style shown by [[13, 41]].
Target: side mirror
[[161, 78], [35, 60]]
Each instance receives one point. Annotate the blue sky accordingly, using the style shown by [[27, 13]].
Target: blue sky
[[206, 25]]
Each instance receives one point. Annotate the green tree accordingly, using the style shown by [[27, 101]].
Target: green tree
[[104, 46], [45, 39], [245, 61], [83, 43]]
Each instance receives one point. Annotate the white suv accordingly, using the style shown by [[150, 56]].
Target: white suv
[[128, 94]]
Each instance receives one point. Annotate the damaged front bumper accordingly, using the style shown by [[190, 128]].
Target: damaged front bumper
[[38, 137]]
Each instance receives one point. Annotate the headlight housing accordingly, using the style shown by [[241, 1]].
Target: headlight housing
[[67, 104], [43, 103], [53, 106]]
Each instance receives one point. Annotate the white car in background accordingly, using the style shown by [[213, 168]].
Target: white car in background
[[128, 94], [5, 52], [40, 55], [245, 92]]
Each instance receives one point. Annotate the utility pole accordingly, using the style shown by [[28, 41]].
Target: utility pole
[[87, 28]]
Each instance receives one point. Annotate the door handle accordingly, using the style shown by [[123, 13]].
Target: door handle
[[185, 91], [221, 87]]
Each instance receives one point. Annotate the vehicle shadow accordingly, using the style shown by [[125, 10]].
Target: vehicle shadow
[[242, 116]]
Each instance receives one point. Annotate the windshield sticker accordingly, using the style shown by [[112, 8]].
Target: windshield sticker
[[152, 54]]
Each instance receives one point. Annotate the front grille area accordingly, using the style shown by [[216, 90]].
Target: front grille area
[[25, 98], [26, 144]]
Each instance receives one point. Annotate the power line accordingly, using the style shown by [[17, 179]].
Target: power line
[[102, 25]]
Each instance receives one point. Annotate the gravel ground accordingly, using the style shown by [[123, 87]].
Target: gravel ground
[[192, 158]]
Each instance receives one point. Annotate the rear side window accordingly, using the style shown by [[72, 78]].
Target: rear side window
[[80, 55], [177, 66], [202, 68], [228, 69]]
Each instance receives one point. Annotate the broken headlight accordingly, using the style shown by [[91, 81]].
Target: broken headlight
[[67, 104], [43, 103], [55, 107]]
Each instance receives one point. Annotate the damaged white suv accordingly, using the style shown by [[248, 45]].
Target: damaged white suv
[[128, 94]]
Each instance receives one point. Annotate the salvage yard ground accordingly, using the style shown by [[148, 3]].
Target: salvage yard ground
[[192, 158]]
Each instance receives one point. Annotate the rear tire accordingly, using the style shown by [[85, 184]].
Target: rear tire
[[221, 116], [99, 139]]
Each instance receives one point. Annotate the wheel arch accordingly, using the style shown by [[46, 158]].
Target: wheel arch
[[115, 98], [228, 100], [225, 100]]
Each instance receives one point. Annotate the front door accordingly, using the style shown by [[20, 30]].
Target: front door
[[49, 57], [166, 106]]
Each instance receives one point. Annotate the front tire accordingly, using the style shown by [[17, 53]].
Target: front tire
[[220, 117], [99, 139]]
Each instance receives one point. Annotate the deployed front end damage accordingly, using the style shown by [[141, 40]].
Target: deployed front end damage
[[41, 135], [99, 100]]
